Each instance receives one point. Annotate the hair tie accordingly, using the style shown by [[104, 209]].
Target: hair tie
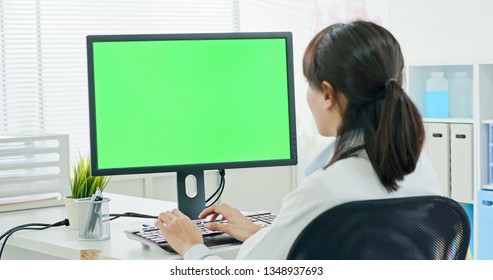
[[389, 81]]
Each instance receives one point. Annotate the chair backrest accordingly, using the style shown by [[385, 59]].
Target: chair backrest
[[411, 228]]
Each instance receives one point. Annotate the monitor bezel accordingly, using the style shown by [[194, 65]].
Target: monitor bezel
[[97, 171]]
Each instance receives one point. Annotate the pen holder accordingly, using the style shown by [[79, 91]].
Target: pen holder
[[94, 219]]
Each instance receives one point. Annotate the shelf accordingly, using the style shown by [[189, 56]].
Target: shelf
[[487, 187], [466, 202], [455, 97], [480, 120], [448, 120]]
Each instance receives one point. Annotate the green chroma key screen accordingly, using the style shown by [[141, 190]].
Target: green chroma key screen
[[191, 101]]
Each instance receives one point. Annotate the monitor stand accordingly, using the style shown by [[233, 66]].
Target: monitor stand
[[191, 192]]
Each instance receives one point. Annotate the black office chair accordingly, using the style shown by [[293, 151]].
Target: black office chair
[[412, 228]]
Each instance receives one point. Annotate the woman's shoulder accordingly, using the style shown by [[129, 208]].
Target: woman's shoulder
[[345, 170], [348, 177], [356, 177]]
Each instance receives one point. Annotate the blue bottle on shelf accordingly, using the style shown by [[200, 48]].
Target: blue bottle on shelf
[[437, 96]]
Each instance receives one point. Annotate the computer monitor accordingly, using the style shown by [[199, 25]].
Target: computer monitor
[[187, 103]]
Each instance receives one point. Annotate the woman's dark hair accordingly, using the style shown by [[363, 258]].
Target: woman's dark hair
[[363, 62]]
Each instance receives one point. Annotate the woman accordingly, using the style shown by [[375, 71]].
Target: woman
[[355, 92]]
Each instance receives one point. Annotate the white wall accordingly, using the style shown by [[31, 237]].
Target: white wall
[[443, 31]]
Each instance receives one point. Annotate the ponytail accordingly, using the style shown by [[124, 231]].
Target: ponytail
[[399, 138]]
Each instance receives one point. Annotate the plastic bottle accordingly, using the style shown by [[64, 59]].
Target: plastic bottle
[[437, 96], [460, 96]]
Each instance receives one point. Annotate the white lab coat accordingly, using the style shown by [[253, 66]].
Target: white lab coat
[[347, 180]]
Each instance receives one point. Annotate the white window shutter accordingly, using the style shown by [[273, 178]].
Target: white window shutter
[[43, 67]]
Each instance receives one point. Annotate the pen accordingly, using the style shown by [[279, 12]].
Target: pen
[[94, 213], [99, 212]]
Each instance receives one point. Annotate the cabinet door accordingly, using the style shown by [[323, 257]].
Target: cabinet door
[[437, 147], [485, 226], [461, 162]]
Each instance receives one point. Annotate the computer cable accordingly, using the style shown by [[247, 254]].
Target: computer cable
[[132, 215], [219, 190], [65, 222], [221, 185], [30, 226], [42, 226]]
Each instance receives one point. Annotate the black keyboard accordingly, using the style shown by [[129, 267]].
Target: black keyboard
[[152, 236]]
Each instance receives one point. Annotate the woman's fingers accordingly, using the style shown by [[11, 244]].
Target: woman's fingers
[[217, 226], [180, 232], [170, 216], [210, 211], [159, 224], [177, 213], [166, 217], [216, 210]]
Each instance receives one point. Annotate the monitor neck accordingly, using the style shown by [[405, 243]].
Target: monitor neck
[[191, 192]]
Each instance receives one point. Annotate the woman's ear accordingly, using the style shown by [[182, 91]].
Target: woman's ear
[[329, 94]]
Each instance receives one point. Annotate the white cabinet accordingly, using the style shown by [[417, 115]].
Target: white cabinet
[[461, 162], [437, 146], [449, 147], [465, 170]]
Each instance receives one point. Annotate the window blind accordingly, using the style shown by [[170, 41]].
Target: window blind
[[43, 84]]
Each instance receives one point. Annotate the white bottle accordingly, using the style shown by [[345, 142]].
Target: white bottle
[[437, 96], [460, 96]]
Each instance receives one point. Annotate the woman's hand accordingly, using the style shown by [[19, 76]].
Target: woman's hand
[[238, 226], [180, 232]]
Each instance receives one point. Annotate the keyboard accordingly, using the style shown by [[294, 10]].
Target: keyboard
[[151, 235]]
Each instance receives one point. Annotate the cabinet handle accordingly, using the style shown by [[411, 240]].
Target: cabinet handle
[[460, 136], [438, 135], [487, 202]]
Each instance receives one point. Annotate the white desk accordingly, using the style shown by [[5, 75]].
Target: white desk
[[62, 242]]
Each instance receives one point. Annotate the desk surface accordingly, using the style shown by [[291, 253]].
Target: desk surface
[[62, 242]]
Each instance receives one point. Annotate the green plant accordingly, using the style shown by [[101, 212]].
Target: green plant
[[83, 184]]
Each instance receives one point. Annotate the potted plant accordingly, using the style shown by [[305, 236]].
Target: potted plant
[[82, 185]]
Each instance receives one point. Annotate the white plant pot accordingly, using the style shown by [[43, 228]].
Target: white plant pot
[[72, 212]]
